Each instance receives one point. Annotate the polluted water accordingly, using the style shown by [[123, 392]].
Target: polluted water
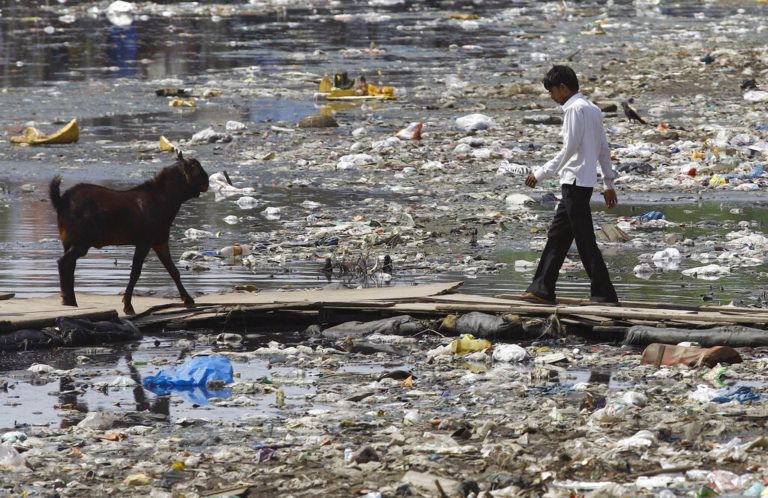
[[409, 171]]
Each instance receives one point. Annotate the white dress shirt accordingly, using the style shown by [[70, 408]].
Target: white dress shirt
[[584, 146]]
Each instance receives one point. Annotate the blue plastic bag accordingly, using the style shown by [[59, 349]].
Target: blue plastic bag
[[756, 172], [652, 215], [191, 378], [742, 394]]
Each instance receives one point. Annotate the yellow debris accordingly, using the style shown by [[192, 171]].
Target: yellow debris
[[166, 145], [468, 344], [182, 103]]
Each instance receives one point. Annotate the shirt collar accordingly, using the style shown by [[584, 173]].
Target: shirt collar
[[568, 103]]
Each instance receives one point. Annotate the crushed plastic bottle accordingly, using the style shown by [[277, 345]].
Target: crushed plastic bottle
[[233, 251]]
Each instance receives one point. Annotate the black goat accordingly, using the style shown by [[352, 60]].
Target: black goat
[[94, 216]]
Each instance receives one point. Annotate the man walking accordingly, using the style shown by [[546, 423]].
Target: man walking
[[584, 147]]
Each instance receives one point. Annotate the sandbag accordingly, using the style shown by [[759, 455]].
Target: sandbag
[[734, 336], [22, 340], [70, 332], [80, 332], [397, 325], [482, 324]]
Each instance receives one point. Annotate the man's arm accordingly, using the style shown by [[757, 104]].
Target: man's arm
[[573, 133], [604, 158]]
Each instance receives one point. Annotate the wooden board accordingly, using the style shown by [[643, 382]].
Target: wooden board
[[437, 300], [41, 312]]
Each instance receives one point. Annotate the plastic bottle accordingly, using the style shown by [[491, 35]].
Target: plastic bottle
[[348, 455], [233, 251]]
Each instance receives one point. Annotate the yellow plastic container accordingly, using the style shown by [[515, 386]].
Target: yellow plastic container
[[326, 85]]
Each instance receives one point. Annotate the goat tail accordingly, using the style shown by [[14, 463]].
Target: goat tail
[[54, 192]]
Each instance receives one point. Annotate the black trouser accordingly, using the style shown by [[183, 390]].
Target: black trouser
[[573, 220]]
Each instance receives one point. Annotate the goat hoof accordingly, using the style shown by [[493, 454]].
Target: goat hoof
[[189, 301], [68, 302], [128, 310]]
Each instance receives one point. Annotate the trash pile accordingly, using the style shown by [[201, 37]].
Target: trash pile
[[393, 408]]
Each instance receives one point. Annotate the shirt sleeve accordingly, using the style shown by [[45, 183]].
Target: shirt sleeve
[[573, 133], [604, 158]]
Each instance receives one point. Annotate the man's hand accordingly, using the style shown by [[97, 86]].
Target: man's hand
[[530, 180], [610, 197]]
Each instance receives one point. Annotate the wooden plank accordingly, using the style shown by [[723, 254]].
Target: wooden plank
[[396, 293], [648, 304], [620, 313], [21, 313], [429, 299]]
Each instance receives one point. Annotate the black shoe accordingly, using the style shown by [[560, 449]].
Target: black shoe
[[592, 302], [535, 298]]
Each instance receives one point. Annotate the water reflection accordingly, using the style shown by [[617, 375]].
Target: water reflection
[[33, 399], [122, 50]]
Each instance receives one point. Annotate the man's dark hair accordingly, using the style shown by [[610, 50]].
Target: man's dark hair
[[561, 74]]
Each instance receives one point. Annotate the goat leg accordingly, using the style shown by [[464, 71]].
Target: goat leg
[[138, 261], [67, 265], [164, 254]]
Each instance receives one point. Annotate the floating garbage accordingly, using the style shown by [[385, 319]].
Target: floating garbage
[[69, 133], [651, 215], [318, 121], [516, 200], [209, 136], [707, 272], [468, 344], [235, 126], [342, 88], [248, 202], [411, 132], [121, 13], [510, 353], [233, 251], [165, 145], [474, 122], [194, 379]]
